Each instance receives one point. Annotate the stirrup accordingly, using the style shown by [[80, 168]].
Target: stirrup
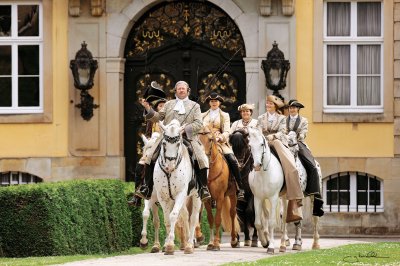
[[143, 192], [205, 194], [240, 196]]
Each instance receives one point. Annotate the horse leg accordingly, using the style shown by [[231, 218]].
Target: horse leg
[[284, 237], [198, 234], [316, 234], [166, 207], [272, 223], [173, 217], [254, 238], [246, 231], [183, 226], [145, 215], [297, 238], [234, 235], [218, 213], [257, 221], [156, 221], [194, 220], [210, 219]]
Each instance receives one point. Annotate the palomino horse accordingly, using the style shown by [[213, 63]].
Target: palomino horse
[[172, 174], [292, 140], [265, 184], [245, 209], [222, 191]]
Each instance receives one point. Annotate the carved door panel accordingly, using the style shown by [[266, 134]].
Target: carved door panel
[[191, 41]]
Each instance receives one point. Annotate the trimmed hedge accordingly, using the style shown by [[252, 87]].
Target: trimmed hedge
[[64, 218]]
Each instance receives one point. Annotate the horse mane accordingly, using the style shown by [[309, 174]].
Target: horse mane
[[238, 140]]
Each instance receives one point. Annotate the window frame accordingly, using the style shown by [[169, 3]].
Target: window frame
[[43, 112], [323, 115], [353, 41], [353, 207]]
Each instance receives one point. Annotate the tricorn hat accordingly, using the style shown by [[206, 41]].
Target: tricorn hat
[[154, 92], [214, 96], [295, 103], [276, 100]]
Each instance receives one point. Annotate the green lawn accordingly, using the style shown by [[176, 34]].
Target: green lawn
[[34, 261], [382, 253]]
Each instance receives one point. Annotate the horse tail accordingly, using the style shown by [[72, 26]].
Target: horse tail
[[226, 217]]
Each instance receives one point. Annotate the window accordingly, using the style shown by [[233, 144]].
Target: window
[[21, 58], [353, 57], [18, 178], [353, 192]]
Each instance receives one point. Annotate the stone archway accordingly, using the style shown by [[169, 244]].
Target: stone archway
[[192, 41]]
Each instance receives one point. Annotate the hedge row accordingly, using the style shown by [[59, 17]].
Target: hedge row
[[74, 217]]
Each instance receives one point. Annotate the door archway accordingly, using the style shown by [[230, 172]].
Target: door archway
[[192, 41]]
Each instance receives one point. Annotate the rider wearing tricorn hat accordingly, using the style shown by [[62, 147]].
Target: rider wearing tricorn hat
[[219, 123], [299, 124]]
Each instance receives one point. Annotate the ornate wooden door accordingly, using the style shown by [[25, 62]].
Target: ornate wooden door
[[195, 42]]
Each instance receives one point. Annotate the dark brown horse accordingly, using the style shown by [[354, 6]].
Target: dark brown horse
[[223, 191], [245, 209]]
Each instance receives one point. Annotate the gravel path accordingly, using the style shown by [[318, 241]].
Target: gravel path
[[227, 254]]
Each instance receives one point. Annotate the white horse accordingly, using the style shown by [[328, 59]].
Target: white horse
[[293, 146], [150, 204], [172, 173], [266, 183]]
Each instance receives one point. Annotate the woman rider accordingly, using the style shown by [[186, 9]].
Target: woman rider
[[219, 123], [273, 126]]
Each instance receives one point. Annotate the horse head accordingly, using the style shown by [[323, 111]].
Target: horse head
[[149, 143], [259, 147], [239, 141], [206, 137], [171, 145]]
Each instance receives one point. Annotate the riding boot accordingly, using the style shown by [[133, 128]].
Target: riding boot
[[146, 189], [317, 207], [135, 200], [234, 169], [294, 212], [202, 179]]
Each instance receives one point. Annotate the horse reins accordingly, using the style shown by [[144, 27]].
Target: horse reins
[[262, 156], [179, 159]]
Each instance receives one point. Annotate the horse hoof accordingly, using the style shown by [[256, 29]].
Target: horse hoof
[[282, 249], [247, 243], [266, 245], [270, 251], [169, 250], [182, 248], [200, 240], [287, 242], [254, 243], [296, 247], [155, 249], [216, 248], [188, 250], [196, 244], [235, 244], [210, 247], [315, 246], [144, 245]]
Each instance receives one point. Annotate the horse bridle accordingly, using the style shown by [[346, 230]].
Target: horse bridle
[[171, 140], [262, 155]]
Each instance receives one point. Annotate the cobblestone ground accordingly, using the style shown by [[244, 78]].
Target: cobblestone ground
[[227, 254]]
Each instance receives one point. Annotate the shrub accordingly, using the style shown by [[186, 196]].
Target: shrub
[[74, 217]]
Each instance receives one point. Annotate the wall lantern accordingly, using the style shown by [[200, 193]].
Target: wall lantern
[[275, 69], [83, 69]]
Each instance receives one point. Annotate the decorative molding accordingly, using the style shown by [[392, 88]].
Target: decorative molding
[[287, 7], [74, 8], [97, 7], [265, 7]]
